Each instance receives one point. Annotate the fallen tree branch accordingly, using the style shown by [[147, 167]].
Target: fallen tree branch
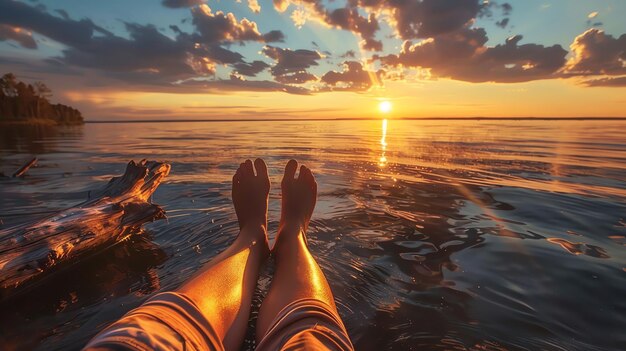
[[22, 170], [29, 251]]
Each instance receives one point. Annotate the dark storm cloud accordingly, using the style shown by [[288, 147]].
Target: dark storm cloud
[[595, 52], [250, 69], [291, 65], [464, 56], [353, 78], [613, 82], [18, 35], [174, 4]]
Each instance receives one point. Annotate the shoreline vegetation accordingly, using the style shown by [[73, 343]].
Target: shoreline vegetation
[[24, 104]]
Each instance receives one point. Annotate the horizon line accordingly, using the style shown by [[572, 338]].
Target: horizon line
[[359, 119]]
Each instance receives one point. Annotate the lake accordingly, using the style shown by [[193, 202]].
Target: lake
[[434, 235]]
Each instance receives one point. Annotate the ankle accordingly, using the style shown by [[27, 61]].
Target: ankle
[[290, 238], [253, 232], [292, 226]]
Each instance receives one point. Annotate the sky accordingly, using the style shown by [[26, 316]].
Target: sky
[[198, 59]]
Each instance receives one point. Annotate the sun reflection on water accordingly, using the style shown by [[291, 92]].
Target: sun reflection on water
[[382, 161]]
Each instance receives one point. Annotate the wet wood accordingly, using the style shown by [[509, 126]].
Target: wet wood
[[22, 170], [29, 251]]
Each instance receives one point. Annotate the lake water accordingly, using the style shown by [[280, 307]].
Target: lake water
[[434, 235]]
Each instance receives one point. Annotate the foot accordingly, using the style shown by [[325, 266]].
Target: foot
[[250, 194], [298, 199]]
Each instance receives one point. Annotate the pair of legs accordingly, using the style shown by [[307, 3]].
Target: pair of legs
[[223, 289]]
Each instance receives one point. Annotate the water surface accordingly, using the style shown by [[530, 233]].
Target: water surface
[[434, 235]]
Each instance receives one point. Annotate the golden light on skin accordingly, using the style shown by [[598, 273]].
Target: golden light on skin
[[384, 106]]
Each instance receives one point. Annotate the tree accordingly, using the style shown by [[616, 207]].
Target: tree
[[42, 92], [8, 85]]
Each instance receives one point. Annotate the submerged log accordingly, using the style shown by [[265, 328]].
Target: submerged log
[[29, 251]]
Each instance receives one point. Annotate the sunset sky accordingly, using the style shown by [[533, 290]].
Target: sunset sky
[[194, 59]]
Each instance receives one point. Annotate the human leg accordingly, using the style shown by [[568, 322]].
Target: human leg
[[223, 289], [297, 275]]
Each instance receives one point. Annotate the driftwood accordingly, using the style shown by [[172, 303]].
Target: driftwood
[[29, 251], [22, 170]]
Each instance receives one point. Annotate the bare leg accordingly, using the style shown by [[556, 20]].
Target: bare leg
[[297, 275], [223, 289]]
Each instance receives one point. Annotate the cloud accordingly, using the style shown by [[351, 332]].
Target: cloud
[[175, 4], [18, 35], [506, 8], [65, 31], [221, 86], [503, 23], [487, 8], [254, 6], [463, 56], [146, 56], [595, 52], [220, 26], [428, 18], [296, 78], [291, 65], [350, 19], [441, 40], [614, 82], [250, 69], [347, 18], [410, 19], [352, 78], [62, 13]]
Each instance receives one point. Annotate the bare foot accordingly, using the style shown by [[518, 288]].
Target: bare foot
[[250, 194], [298, 199]]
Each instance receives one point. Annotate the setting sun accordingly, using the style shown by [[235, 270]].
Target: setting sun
[[384, 106]]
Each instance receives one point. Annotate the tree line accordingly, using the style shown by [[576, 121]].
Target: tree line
[[21, 102]]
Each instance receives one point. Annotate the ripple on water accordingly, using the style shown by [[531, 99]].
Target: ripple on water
[[476, 235]]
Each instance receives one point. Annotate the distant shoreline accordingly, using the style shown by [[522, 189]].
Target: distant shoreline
[[366, 119], [35, 122]]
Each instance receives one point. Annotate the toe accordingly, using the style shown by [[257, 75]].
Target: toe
[[306, 175], [247, 170], [261, 168], [236, 182], [302, 176], [237, 176], [290, 170]]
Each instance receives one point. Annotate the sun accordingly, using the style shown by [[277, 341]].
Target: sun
[[384, 106]]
